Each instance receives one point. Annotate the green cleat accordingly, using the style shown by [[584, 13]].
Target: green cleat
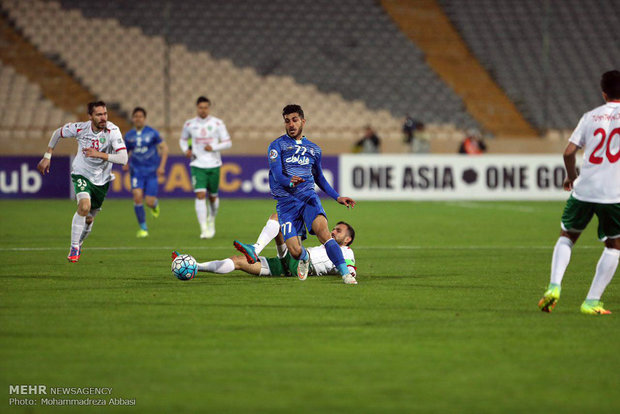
[[142, 234], [550, 298], [155, 211], [593, 307]]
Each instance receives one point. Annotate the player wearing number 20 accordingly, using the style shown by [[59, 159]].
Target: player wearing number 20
[[294, 168], [595, 191], [100, 144]]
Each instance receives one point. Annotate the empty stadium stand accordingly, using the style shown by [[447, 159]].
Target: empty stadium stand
[[350, 47], [511, 37]]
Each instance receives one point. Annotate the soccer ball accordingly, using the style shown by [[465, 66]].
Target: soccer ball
[[184, 267]]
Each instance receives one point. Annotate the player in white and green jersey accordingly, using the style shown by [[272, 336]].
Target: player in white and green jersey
[[285, 264], [596, 191], [100, 144], [208, 137]]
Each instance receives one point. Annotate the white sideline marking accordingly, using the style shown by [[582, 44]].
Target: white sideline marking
[[231, 248], [470, 204]]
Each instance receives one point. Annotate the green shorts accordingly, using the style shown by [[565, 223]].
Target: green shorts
[[206, 179], [97, 193], [577, 214], [282, 267]]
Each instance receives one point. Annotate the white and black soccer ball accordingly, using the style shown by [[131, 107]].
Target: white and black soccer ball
[[184, 267]]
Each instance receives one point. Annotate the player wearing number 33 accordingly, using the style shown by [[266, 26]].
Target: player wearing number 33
[[294, 168], [100, 144], [595, 191]]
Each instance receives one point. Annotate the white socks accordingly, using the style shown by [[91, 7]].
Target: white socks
[[560, 260], [217, 266], [605, 270], [201, 213], [213, 208], [269, 232], [86, 231], [282, 249], [77, 227]]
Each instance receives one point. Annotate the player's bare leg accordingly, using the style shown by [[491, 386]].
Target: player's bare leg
[[153, 203], [280, 243], [201, 213], [138, 206], [77, 226], [90, 219], [321, 229]]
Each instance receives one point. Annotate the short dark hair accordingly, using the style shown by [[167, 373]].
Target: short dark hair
[[291, 109], [350, 230], [202, 99], [610, 84], [138, 109], [92, 105]]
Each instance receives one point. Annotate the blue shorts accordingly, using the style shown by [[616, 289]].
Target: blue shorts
[[296, 215], [148, 183]]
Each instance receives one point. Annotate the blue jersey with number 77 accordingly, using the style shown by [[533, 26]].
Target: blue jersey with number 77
[[289, 157]]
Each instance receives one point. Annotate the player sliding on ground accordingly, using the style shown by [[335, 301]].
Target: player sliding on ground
[[595, 191], [100, 144], [285, 264], [294, 168]]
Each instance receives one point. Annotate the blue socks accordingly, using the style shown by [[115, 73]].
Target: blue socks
[[139, 209], [335, 255], [304, 254]]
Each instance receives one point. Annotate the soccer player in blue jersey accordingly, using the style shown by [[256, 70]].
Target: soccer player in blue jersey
[[148, 160], [294, 168]]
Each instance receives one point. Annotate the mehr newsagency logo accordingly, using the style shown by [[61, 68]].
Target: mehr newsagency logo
[[32, 395]]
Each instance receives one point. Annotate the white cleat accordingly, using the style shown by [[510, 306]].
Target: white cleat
[[349, 279], [302, 269], [203, 235]]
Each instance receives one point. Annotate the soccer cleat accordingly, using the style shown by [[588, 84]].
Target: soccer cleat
[[247, 250], [349, 279], [175, 254], [203, 235], [74, 254], [550, 299], [142, 234], [155, 211], [593, 307], [302, 268]]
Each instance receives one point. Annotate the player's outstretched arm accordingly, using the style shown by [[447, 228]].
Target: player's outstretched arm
[[321, 181], [163, 151], [570, 161], [346, 201], [44, 164], [119, 158]]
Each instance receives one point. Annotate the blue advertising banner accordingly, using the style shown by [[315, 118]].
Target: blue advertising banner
[[241, 176], [19, 178]]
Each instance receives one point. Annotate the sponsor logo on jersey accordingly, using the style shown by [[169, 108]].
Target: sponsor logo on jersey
[[295, 159]]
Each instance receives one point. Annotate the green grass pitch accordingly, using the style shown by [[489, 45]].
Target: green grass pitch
[[444, 318]]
